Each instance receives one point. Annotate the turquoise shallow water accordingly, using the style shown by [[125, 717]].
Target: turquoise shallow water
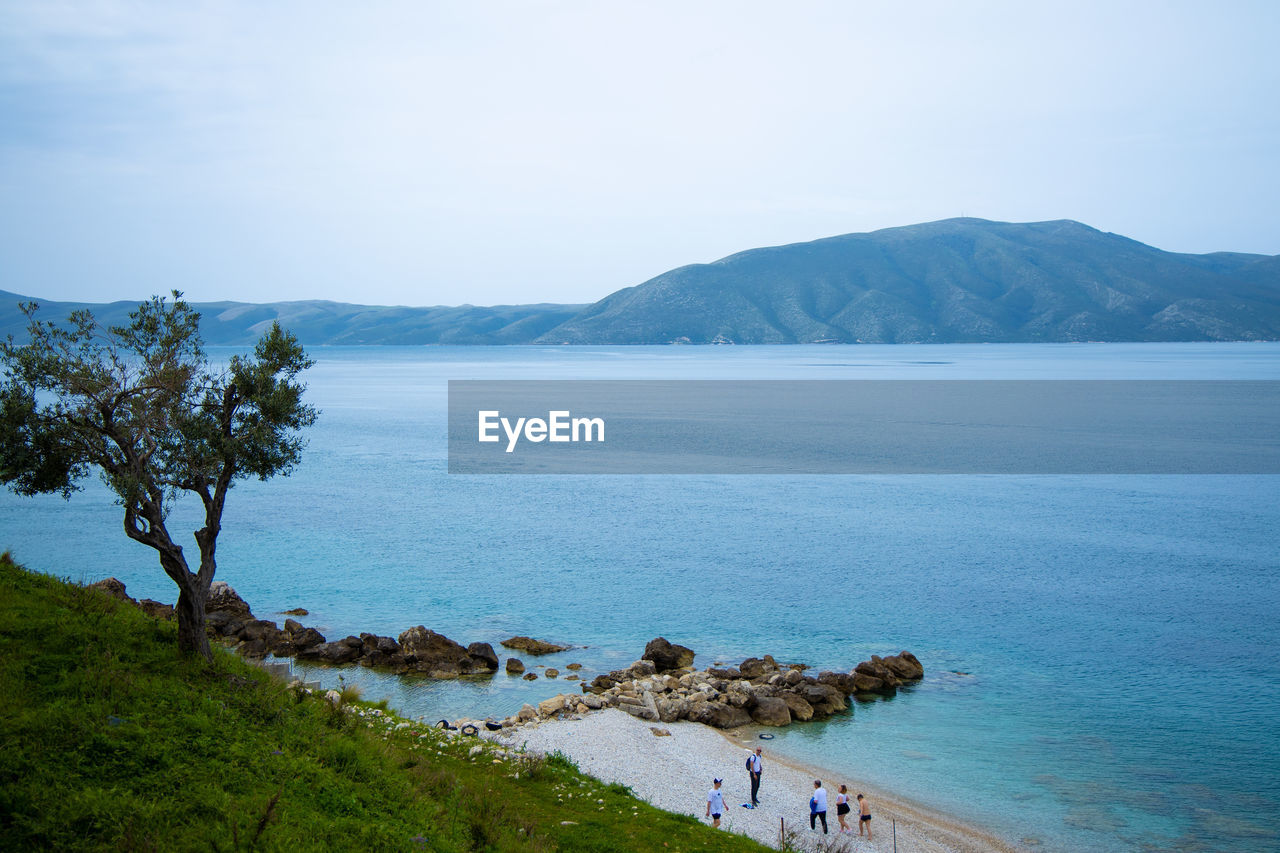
[[1120, 688]]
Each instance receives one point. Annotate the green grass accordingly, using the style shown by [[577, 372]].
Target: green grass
[[112, 740]]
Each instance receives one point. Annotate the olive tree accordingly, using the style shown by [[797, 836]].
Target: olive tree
[[141, 404]]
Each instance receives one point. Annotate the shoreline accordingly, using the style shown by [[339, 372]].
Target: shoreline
[[674, 771]]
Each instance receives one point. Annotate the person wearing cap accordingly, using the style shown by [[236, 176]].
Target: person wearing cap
[[715, 803]]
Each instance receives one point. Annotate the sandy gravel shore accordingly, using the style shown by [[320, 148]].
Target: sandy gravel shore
[[675, 773]]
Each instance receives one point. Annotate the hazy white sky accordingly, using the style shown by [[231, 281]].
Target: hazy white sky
[[428, 153]]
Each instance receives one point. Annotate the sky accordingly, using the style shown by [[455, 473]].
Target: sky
[[442, 153]]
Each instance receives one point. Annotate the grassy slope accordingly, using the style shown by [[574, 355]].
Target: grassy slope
[[111, 740]]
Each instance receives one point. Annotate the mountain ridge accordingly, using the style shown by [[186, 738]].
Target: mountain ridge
[[949, 281]]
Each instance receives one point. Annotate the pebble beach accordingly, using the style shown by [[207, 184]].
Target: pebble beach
[[674, 772]]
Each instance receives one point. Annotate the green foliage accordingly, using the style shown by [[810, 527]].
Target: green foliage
[[140, 404], [113, 740]]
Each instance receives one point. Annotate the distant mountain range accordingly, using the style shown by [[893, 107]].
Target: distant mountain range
[[957, 280]]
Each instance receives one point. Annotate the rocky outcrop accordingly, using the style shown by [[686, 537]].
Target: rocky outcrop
[[436, 655], [156, 609], [113, 588], [532, 646], [758, 690], [886, 675], [667, 656], [224, 599]]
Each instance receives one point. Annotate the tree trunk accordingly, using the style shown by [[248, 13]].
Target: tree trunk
[[192, 638]]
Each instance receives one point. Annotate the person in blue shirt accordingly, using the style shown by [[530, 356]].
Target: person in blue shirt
[[715, 803]]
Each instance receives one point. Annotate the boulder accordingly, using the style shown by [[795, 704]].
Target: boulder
[[155, 609], [554, 705], [644, 712], [672, 708], [292, 626], [863, 683], [771, 711], [551, 673], [600, 684], [483, 654], [307, 638], [642, 668], [297, 611], [842, 681], [801, 710], [824, 699], [436, 654], [719, 715], [888, 681], [113, 588], [727, 673], [331, 653], [752, 668], [515, 666], [533, 647], [666, 656], [217, 623], [258, 629], [904, 665], [531, 676], [224, 599]]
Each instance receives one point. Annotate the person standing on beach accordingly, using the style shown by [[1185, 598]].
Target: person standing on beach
[[864, 816], [818, 806], [842, 807], [715, 803], [754, 768]]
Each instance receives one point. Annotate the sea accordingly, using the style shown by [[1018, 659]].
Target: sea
[[1100, 651]]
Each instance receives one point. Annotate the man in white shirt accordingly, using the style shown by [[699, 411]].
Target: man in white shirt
[[715, 803], [818, 806], [754, 768]]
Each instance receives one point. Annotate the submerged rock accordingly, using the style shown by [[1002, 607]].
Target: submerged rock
[[533, 647]]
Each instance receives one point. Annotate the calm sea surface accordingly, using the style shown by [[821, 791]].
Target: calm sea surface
[[1100, 650]]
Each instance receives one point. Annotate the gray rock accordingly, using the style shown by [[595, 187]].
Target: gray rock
[[719, 715], [771, 711], [222, 598], [114, 588], [484, 654], [801, 710], [156, 609], [332, 653], [534, 647], [666, 656]]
